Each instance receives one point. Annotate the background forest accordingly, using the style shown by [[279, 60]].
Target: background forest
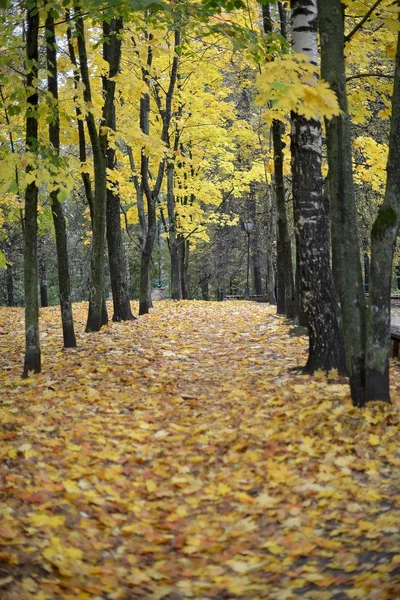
[[158, 131]]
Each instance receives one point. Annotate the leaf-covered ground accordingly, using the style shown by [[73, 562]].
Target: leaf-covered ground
[[178, 456]]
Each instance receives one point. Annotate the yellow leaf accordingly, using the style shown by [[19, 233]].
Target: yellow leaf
[[374, 440], [151, 485], [44, 520]]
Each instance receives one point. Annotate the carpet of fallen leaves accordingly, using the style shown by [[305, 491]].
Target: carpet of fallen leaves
[[179, 456]]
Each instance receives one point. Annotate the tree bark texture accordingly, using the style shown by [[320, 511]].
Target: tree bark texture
[[64, 282], [345, 242], [32, 361], [116, 250], [383, 243], [326, 349]]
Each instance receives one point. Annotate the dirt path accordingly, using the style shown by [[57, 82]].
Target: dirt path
[[178, 457]]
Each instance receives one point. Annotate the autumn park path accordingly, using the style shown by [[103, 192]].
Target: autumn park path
[[178, 456]]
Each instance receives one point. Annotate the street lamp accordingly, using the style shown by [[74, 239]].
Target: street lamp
[[248, 227]]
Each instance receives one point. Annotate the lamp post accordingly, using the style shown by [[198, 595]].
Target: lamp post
[[248, 227]]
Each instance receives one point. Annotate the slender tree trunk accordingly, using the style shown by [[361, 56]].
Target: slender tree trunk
[[116, 251], [172, 235], [153, 193], [345, 242], [286, 293], [64, 282], [383, 243], [284, 250], [44, 302], [270, 230], [32, 344], [326, 349], [99, 143]]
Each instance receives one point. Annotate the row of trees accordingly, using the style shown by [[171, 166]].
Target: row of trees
[[185, 119]]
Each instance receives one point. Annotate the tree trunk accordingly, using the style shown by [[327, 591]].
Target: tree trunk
[[172, 235], [284, 249], [153, 193], [270, 231], [98, 142], [345, 242], [286, 293], [326, 349], [183, 246], [32, 360], [116, 251], [64, 282], [44, 302], [145, 302], [383, 243]]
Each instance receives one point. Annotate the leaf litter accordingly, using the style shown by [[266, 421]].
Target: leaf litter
[[181, 456]]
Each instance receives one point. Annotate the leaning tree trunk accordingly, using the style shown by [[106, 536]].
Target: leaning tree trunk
[[345, 242], [383, 243], [116, 251], [32, 343], [64, 282], [326, 349]]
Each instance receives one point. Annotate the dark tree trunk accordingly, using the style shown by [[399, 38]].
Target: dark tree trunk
[[345, 242], [172, 235], [286, 292], [205, 288], [32, 360], [44, 302], [96, 314], [116, 251], [183, 246], [270, 230], [301, 315], [280, 279], [383, 243], [64, 282]]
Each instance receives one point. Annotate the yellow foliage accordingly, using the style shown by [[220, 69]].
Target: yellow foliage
[[290, 83]]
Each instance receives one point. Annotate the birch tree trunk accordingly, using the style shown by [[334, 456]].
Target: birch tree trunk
[[32, 360], [326, 349], [383, 243], [345, 242]]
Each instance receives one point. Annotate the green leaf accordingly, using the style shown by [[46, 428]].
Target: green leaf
[[13, 187], [62, 195]]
